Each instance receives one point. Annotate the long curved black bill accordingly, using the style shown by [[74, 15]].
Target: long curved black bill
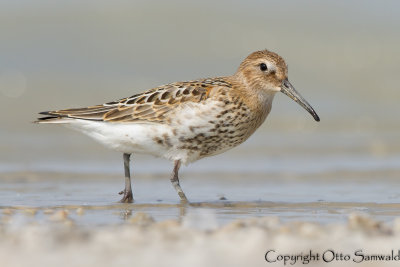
[[288, 89]]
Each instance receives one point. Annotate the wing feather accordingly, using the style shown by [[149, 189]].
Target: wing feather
[[150, 106]]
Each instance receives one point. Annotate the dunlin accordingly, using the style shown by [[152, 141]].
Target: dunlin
[[186, 121]]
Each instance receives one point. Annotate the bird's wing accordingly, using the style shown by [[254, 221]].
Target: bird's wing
[[150, 106]]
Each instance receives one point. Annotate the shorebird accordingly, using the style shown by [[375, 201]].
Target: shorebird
[[186, 121]]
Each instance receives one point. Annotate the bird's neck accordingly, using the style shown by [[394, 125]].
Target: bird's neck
[[257, 99]]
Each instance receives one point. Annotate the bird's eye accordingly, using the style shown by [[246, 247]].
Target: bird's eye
[[263, 67]]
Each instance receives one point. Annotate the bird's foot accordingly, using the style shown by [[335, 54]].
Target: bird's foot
[[127, 198]]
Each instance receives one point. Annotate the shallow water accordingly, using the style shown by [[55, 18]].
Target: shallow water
[[223, 198]]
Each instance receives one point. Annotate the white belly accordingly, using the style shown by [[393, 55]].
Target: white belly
[[146, 138], [160, 140]]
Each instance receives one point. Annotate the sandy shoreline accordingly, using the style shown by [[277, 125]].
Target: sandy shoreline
[[193, 241], [64, 219]]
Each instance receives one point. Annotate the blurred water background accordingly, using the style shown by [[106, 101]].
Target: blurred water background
[[343, 57]]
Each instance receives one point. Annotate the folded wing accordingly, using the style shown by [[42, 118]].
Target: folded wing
[[150, 106]]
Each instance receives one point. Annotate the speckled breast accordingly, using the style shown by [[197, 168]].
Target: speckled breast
[[227, 129]]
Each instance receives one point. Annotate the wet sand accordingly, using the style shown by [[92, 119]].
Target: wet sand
[[69, 219], [320, 197], [193, 240]]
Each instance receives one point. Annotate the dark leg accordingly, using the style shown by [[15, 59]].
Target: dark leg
[[175, 181], [128, 197]]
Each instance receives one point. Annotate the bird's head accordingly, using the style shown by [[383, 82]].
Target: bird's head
[[268, 72]]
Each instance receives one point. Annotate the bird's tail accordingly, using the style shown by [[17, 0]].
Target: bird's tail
[[94, 113]]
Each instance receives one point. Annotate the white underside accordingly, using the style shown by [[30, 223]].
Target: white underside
[[127, 137], [136, 137]]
